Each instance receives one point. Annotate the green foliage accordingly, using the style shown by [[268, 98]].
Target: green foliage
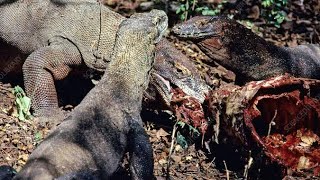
[[192, 7], [273, 12], [23, 104], [38, 137], [193, 130], [182, 140]]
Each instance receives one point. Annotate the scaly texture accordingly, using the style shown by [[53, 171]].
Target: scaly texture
[[57, 36], [175, 67], [107, 122], [248, 55]]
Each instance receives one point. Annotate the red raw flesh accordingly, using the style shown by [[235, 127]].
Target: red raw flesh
[[189, 110]]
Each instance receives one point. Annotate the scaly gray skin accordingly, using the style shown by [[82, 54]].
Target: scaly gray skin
[[95, 137], [172, 67], [56, 36], [248, 55]]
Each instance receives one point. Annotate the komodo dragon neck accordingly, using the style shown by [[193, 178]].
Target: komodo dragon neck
[[130, 77]]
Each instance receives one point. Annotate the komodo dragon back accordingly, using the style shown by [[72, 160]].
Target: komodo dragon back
[[57, 36]]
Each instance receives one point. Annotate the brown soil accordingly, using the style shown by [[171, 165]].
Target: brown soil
[[19, 138]]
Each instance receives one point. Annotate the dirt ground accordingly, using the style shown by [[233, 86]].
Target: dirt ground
[[197, 160]]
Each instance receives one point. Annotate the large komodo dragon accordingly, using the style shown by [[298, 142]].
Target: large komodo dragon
[[57, 36], [248, 55], [107, 122]]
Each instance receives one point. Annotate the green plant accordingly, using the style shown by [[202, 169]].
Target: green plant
[[23, 104], [38, 137], [182, 140], [191, 7], [273, 11]]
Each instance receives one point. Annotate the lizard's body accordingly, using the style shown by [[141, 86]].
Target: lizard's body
[[35, 24], [107, 122], [57, 36], [248, 55]]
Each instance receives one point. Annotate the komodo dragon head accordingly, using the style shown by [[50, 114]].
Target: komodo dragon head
[[210, 34], [233, 46]]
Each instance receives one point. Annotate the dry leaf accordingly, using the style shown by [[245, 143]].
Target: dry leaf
[[188, 158], [176, 159], [162, 161], [304, 163], [308, 140], [161, 133]]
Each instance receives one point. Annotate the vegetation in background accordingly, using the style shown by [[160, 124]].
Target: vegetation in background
[[273, 11], [23, 104], [37, 138], [192, 131], [193, 7]]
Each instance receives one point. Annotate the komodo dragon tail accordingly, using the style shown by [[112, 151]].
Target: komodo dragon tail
[[140, 151], [8, 173]]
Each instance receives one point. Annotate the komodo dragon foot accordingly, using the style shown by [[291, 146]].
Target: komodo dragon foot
[[107, 123], [251, 57]]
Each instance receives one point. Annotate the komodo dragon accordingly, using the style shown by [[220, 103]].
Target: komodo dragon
[[107, 122], [59, 35], [248, 55]]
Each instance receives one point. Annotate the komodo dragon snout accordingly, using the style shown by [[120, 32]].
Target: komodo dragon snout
[[199, 27]]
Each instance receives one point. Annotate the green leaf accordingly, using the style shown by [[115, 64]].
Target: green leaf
[[23, 104], [178, 10], [181, 124], [210, 12], [182, 17], [200, 9], [187, 5], [37, 137], [181, 140], [194, 131]]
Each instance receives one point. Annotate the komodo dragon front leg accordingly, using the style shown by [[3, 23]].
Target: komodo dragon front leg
[[43, 67]]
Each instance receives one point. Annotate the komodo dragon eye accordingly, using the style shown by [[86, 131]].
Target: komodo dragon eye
[[213, 18]]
